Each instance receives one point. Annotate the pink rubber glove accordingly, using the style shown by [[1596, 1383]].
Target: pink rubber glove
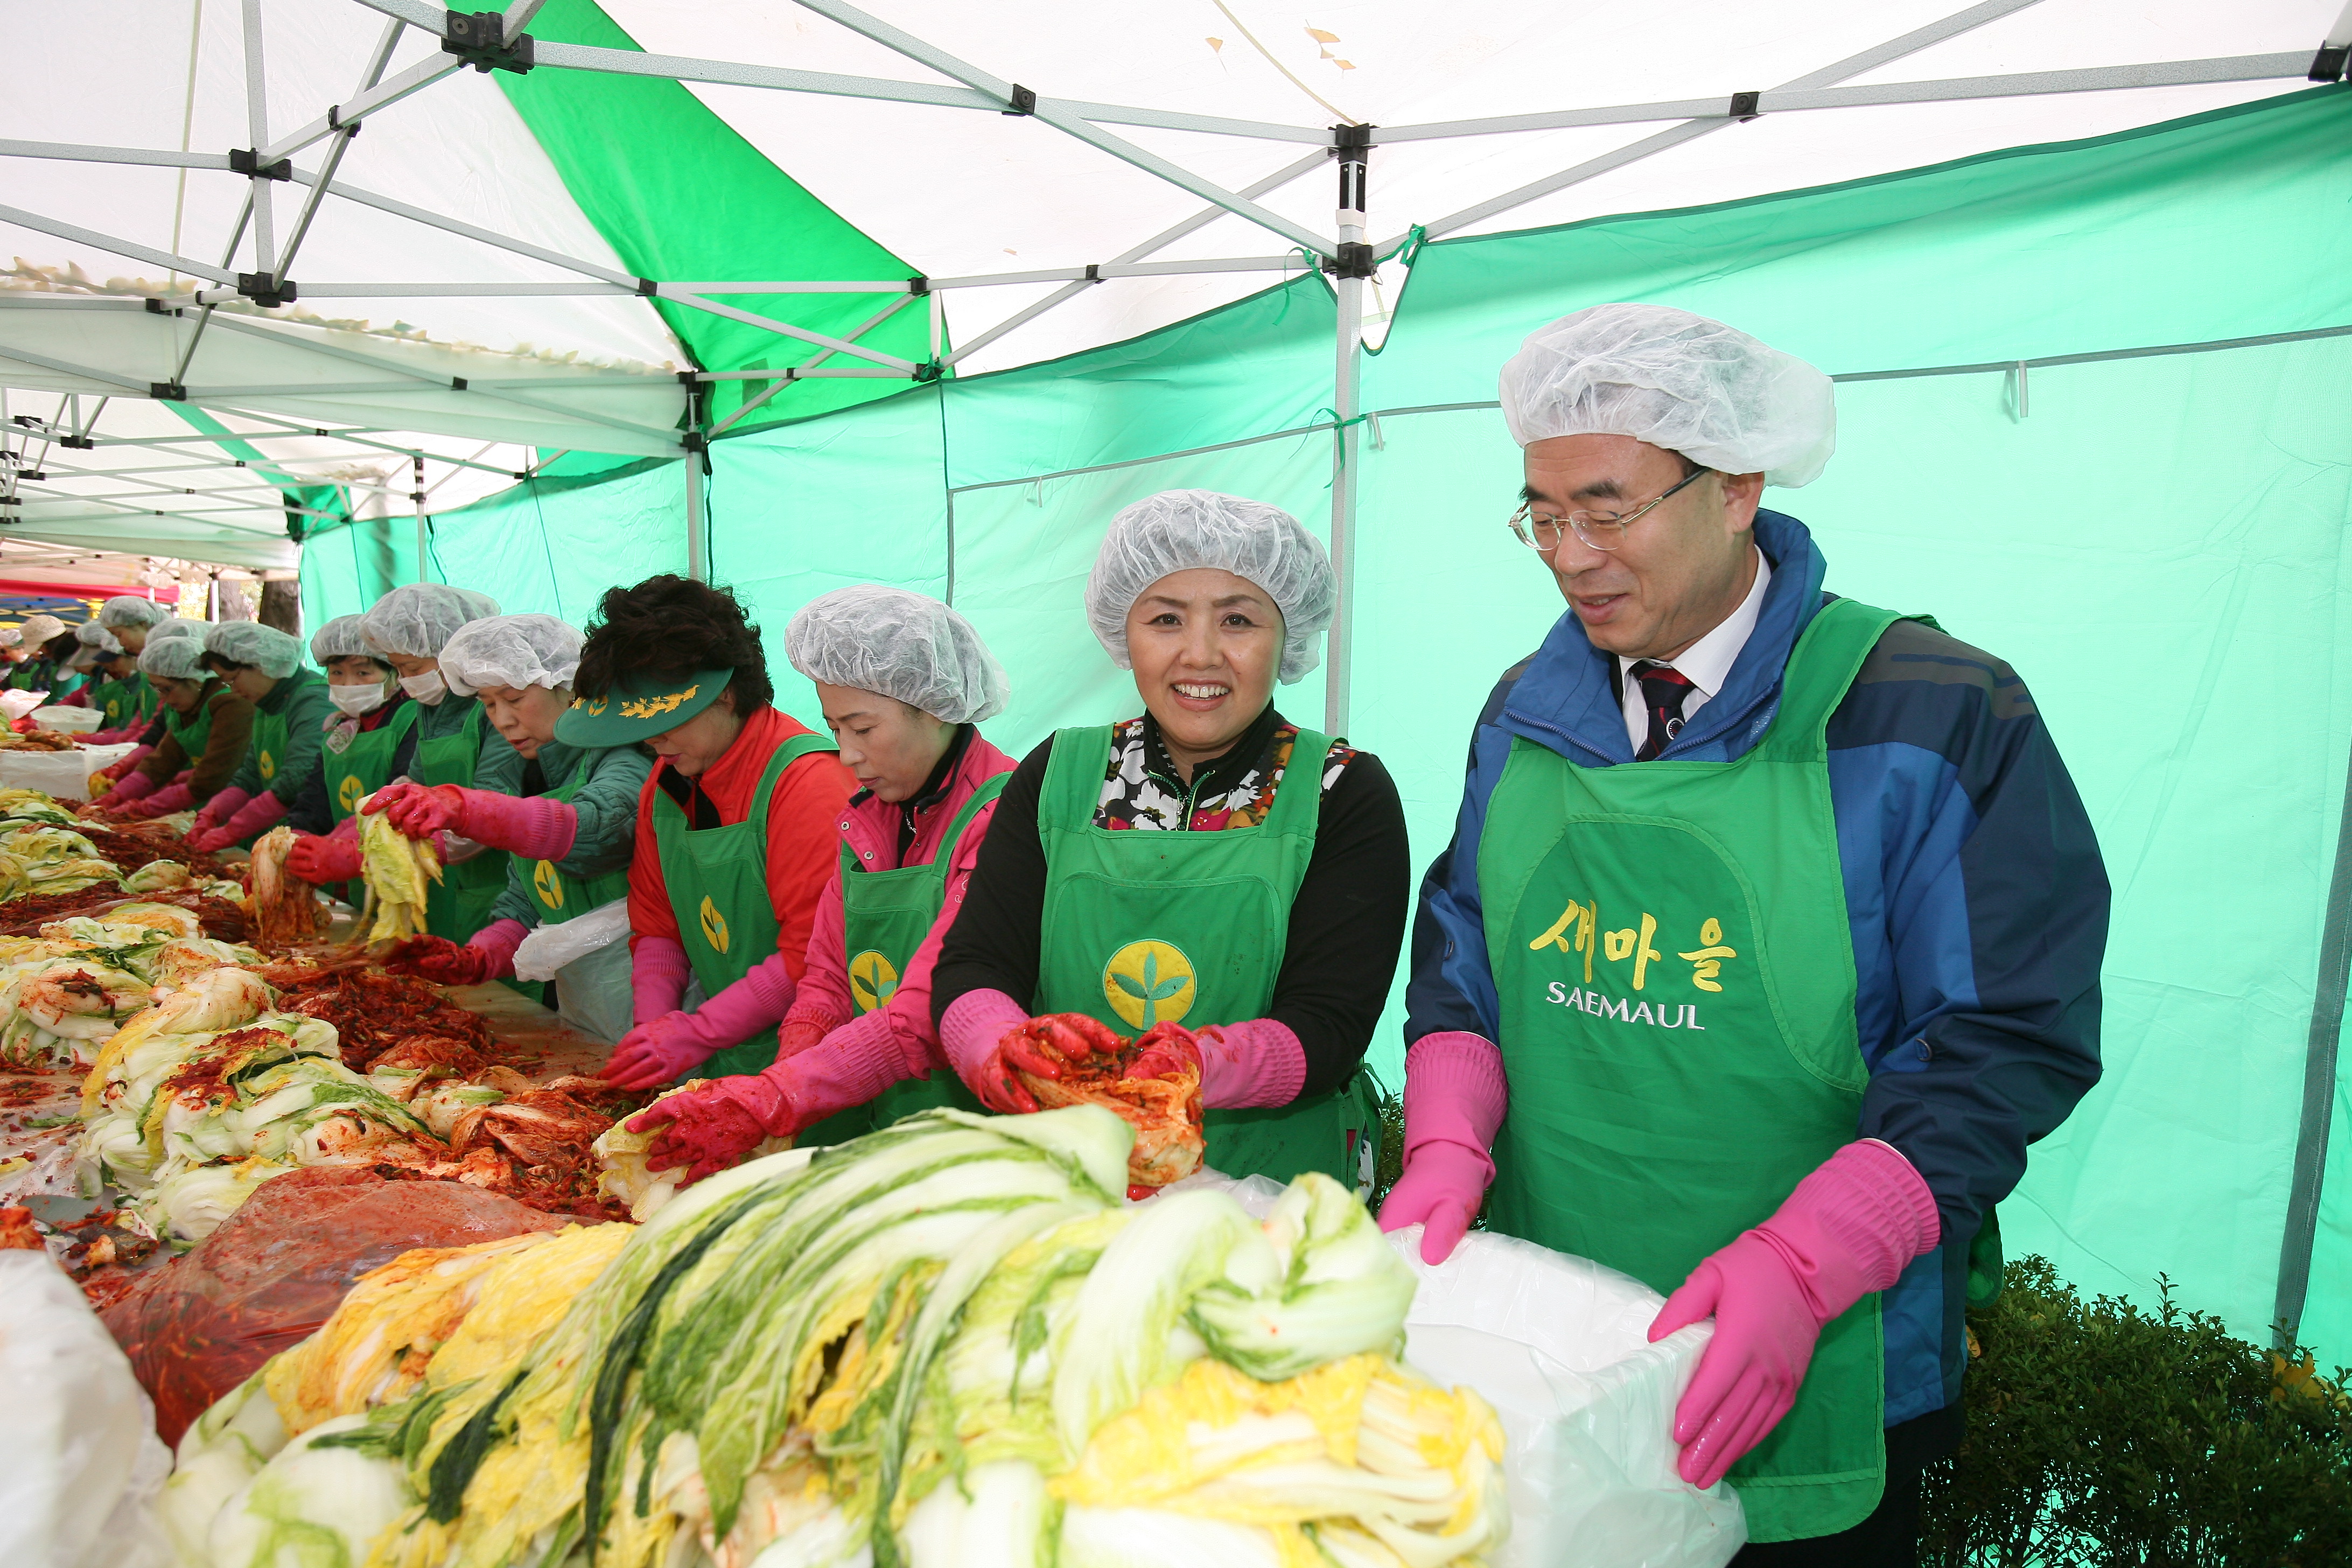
[[1847, 1230], [255, 817], [972, 1032], [318, 859], [677, 1041], [854, 1064], [217, 810], [658, 971], [417, 810], [488, 955], [137, 787], [1455, 1097], [703, 1131], [1257, 1062], [532, 825], [655, 1053], [116, 771], [809, 1021], [174, 796]]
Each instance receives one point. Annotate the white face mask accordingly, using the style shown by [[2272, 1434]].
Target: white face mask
[[427, 687], [356, 699]]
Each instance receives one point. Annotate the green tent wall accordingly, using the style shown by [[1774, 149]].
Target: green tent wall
[[2155, 541]]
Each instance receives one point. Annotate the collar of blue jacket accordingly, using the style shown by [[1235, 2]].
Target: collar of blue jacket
[[1568, 701]]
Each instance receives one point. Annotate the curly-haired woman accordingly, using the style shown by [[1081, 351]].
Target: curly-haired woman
[[735, 837]]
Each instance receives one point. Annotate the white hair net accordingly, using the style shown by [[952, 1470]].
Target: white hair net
[[265, 648], [510, 650], [176, 627], [342, 639], [901, 644], [1678, 381], [415, 619], [91, 635], [1178, 530], [130, 610], [175, 658]]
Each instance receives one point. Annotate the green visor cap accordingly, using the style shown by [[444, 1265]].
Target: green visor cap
[[640, 708]]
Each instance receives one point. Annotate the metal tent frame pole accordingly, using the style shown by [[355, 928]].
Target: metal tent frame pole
[[1352, 145]]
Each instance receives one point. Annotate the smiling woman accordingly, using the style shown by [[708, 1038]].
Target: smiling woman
[[1207, 874]]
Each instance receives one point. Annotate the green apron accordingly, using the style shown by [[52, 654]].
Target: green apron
[[718, 884], [460, 904], [1142, 927], [885, 916], [1675, 974], [121, 702], [191, 732], [556, 899], [363, 767]]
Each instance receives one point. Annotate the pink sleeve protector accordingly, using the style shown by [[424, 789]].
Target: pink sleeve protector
[[532, 827], [1848, 1229], [1247, 1065], [758, 1001], [974, 1025], [1455, 1094], [171, 797], [657, 975], [849, 1066]]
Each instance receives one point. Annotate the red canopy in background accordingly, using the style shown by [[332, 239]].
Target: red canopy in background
[[167, 594]]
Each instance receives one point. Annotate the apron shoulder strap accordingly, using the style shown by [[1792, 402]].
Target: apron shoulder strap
[[1820, 668], [785, 756], [1296, 810], [1074, 778]]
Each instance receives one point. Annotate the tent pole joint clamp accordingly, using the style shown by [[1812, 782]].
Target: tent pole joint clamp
[[918, 287], [1021, 101], [481, 40], [930, 370], [1744, 106], [248, 161], [77, 443], [2327, 65], [265, 291], [336, 122], [694, 441], [1354, 259], [167, 392]]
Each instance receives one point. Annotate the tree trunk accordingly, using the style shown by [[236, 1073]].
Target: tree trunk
[[281, 607]]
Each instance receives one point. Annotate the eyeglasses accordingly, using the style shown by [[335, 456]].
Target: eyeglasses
[[1601, 530]]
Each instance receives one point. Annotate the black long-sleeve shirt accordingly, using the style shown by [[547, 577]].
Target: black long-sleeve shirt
[[1346, 924]]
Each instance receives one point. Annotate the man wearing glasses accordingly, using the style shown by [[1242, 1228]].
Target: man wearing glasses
[[1769, 937]]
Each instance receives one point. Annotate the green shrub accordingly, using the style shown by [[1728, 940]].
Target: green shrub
[[2102, 1436]]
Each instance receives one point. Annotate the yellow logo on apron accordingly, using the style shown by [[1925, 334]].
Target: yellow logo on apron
[[714, 925], [1149, 982], [348, 792], [872, 980], [549, 887], [269, 767]]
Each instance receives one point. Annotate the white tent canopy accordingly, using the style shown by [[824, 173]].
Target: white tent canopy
[[454, 302]]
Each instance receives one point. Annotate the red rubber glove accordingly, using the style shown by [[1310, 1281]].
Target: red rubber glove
[[1454, 1098], [114, 772], [174, 796], [318, 860], [1847, 1230], [653, 1054], [703, 1131], [137, 787], [488, 955], [420, 811], [1045, 1047]]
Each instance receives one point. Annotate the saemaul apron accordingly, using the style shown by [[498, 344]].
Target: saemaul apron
[[191, 731], [556, 898], [885, 916], [717, 883], [1142, 927], [460, 904], [1670, 948], [271, 735], [121, 702], [361, 768]]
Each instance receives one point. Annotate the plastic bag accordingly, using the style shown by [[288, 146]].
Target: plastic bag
[[14, 705], [79, 1464], [1559, 1347], [593, 994], [62, 775], [277, 1268], [550, 947], [69, 720]]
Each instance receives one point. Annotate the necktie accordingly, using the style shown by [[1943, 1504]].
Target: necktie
[[1664, 691]]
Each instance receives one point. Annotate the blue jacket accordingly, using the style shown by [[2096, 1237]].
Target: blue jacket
[[1973, 886]]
